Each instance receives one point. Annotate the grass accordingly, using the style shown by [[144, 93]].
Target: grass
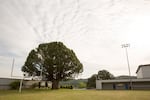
[[74, 95]]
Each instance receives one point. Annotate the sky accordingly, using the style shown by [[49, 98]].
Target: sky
[[93, 29]]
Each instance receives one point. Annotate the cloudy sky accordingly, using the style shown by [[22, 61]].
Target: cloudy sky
[[94, 29]]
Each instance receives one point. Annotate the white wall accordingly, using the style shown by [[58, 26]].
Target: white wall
[[98, 84], [139, 73], [146, 71]]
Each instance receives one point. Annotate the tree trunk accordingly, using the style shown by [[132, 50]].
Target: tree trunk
[[55, 84]]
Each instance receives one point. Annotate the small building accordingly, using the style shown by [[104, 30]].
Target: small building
[[5, 82], [142, 82], [27, 83]]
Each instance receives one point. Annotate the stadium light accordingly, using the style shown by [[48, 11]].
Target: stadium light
[[126, 46]]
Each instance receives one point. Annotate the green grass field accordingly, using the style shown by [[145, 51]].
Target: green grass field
[[74, 95]]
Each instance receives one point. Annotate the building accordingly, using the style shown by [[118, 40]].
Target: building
[[143, 71], [142, 82], [5, 83], [27, 83], [124, 84]]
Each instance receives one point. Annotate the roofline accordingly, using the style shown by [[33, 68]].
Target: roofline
[[125, 80], [15, 78], [141, 66]]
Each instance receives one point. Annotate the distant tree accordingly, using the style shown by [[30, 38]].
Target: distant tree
[[56, 61], [105, 75], [82, 85], [102, 74], [92, 81]]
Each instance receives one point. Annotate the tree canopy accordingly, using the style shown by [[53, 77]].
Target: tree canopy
[[104, 75], [54, 61], [92, 81]]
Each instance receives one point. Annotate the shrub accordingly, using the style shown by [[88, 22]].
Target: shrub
[[34, 85], [82, 85], [15, 85], [67, 87]]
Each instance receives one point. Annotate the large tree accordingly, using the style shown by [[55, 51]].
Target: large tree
[[55, 61]]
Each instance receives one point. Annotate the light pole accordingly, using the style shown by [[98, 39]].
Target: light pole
[[126, 46]]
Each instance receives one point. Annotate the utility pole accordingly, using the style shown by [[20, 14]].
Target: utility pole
[[12, 68], [21, 82], [126, 46]]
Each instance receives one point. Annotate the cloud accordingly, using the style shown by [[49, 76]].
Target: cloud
[[93, 29]]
